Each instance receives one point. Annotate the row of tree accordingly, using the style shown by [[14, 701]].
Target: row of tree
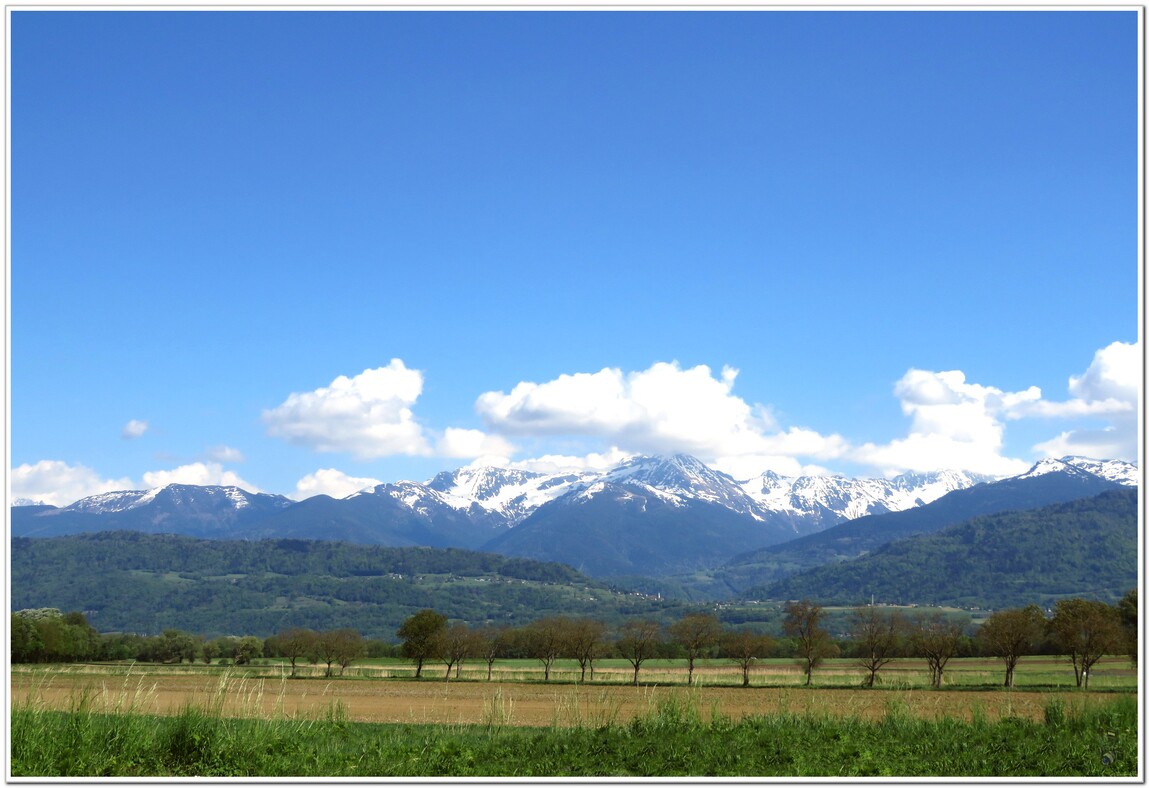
[[1083, 630], [47, 635]]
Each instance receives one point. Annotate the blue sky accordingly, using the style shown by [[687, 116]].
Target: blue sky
[[305, 251]]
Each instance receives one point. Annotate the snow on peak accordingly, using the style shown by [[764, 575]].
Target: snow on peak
[[506, 492], [1119, 471], [1048, 465], [840, 497], [118, 501], [124, 500]]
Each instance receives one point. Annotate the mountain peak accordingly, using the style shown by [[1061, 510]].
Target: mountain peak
[[1120, 471]]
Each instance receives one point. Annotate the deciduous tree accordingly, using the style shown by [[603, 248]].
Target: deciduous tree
[[294, 644], [247, 649], [637, 642], [1011, 634], [584, 642], [492, 645], [745, 647], [546, 639], [876, 635], [1085, 630], [420, 634], [456, 643], [936, 638], [697, 633], [813, 642]]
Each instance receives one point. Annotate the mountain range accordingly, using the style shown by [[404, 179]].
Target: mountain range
[[1087, 546], [654, 516]]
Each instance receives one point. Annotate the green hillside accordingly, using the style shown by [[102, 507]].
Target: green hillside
[[1083, 548], [145, 583]]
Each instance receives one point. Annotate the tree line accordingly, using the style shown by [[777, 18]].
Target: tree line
[[1082, 630]]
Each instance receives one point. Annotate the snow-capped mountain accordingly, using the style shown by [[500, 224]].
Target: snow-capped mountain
[[816, 502], [1046, 483], [647, 513], [177, 495], [1119, 471], [193, 510], [506, 493], [681, 478], [807, 503]]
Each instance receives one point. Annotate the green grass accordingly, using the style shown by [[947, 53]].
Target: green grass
[[671, 740], [1034, 673]]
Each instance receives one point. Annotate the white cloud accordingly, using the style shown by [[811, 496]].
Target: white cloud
[[1103, 444], [748, 466], [457, 442], [559, 463], [958, 424], [1115, 373], [134, 429], [329, 481], [662, 409], [953, 424], [368, 416], [1109, 388], [211, 473], [59, 484]]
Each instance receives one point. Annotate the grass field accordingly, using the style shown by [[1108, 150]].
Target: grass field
[[1035, 672], [91, 720]]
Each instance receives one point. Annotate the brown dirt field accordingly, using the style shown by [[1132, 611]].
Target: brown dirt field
[[513, 703]]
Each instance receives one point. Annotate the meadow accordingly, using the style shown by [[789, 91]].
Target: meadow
[[137, 720]]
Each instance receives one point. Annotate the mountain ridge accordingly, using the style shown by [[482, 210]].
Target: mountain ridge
[[649, 515], [991, 560]]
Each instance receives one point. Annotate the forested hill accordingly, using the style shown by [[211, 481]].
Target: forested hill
[[1086, 547], [134, 582]]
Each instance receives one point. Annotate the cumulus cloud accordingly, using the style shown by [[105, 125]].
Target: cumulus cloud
[[659, 406], [458, 442], [134, 429], [1114, 374], [1109, 388], [201, 473], [959, 424], [59, 484], [953, 424], [368, 416], [658, 410], [329, 481]]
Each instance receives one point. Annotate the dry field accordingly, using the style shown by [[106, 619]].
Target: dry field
[[498, 702]]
